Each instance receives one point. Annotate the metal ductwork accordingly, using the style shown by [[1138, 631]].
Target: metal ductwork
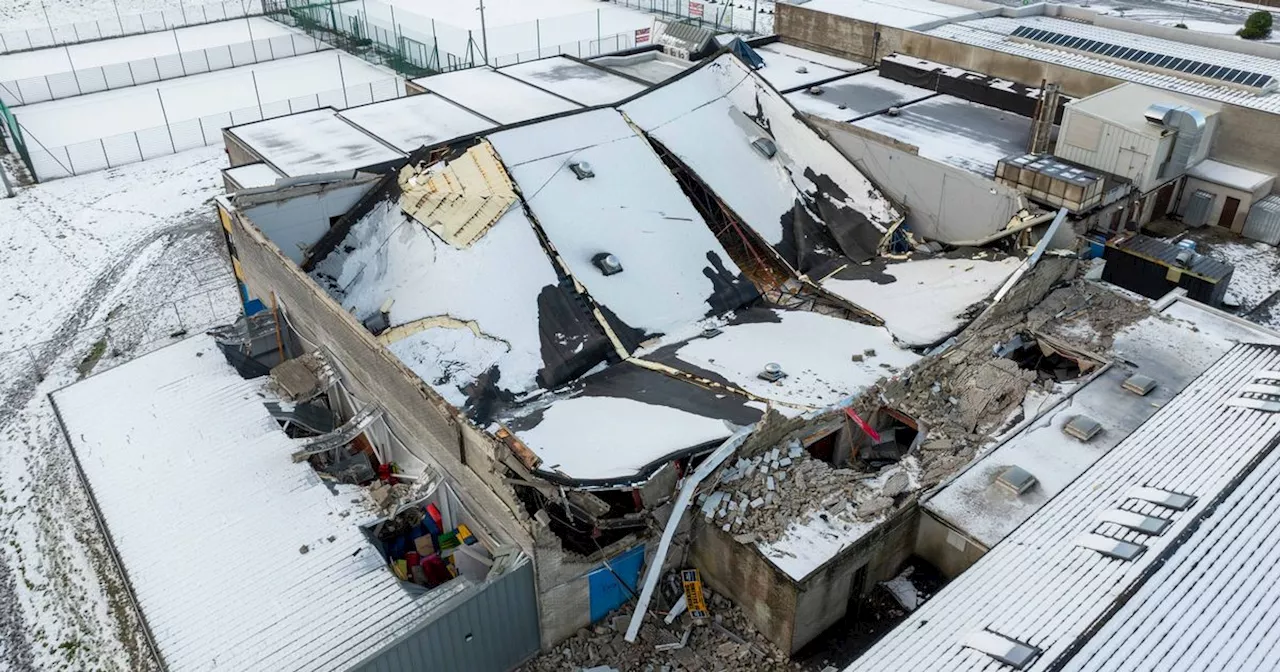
[[1188, 124]]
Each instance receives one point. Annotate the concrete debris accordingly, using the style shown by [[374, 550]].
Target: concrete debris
[[874, 507], [895, 485]]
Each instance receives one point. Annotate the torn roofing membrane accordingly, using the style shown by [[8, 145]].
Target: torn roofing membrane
[[494, 316], [808, 201], [616, 424], [838, 359], [674, 271]]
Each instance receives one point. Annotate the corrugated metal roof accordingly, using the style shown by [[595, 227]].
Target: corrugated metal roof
[[994, 33], [1158, 250], [460, 200], [1263, 222], [240, 558], [1040, 586]]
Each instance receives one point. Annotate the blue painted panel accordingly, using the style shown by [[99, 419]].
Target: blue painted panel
[[607, 593]]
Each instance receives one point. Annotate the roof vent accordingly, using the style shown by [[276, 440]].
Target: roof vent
[[1111, 547], [1139, 384], [607, 263], [1082, 427], [1016, 479], [802, 70], [1011, 652], [582, 169], [711, 332], [772, 372], [893, 111], [765, 146], [1135, 521], [815, 90], [1166, 498], [378, 323]]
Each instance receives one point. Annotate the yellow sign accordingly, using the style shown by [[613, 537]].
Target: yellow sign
[[693, 593]]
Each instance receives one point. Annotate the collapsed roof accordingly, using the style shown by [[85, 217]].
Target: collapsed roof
[[564, 279]]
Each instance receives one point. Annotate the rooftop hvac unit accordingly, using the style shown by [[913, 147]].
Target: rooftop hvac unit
[[1188, 124], [1198, 206]]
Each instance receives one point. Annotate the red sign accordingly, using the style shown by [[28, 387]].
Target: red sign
[[642, 35], [695, 9], [875, 436]]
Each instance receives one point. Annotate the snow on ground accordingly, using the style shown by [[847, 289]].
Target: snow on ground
[[101, 115], [927, 298], [56, 60], [111, 264]]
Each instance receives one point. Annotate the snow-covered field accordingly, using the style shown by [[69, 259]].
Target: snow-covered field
[[100, 267]]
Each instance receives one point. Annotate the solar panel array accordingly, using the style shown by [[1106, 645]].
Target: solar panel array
[[1150, 58]]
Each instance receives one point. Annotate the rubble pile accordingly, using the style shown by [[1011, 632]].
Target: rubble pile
[[725, 642]]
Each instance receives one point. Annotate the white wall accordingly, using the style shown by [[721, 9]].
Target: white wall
[[296, 223]]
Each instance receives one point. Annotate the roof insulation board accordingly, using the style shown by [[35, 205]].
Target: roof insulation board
[[1196, 445], [894, 13], [706, 120], [674, 270], [496, 96], [585, 84], [994, 33], [207, 512], [820, 374], [416, 121], [787, 66], [856, 96], [1171, 351], [956, 132], [312, 143], [506, 321]]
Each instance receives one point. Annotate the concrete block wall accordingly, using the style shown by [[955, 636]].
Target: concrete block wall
[[946, 548], [766, 596]]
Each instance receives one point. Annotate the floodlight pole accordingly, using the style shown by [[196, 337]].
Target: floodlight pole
[[8, 188], [755, 13], [484, 35]]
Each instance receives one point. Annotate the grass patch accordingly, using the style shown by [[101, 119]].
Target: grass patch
[[91, 360]]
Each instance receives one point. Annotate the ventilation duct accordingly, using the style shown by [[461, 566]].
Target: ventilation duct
[[1188, 126]]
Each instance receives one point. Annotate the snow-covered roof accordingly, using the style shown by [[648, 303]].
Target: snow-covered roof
[[654, 67], [208, 513], [895, 13], [856, 96], [955, 131], [625, 420], [994, 33], [582, 83], [253, 175], [788, 67], [1126, 105], [1228, 175], [313, 142], [807, 201], [674, 273], [820, 374], [1172, 348], [1046, 586], [502, 321], [416, 121], [492, 94], [922, 301]]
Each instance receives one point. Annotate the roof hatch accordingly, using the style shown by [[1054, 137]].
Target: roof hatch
[[1007, 650]]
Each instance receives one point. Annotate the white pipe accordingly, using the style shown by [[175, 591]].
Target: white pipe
[[1038, 219]]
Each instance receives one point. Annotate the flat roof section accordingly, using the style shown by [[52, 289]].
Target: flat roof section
[[503, 99], [252, 175], [416, 121], [784, 63], [1126, 105], [313, 142], [1228, 175], [956, 132], [856, 96], [208, 512], [585, 84], [654, 67], [895, 13]]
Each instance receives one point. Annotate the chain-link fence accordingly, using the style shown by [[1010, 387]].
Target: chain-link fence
[[749, 16], [50, 162], [129, 24], [581, 49], [143, 71], [122, 337]]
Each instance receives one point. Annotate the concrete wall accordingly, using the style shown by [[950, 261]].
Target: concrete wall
[[944, 203], [238, 153], [295, 224], [944, 547], [766, 596]]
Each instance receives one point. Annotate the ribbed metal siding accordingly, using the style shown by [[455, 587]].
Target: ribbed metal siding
[[1264, 221], [494, 629]]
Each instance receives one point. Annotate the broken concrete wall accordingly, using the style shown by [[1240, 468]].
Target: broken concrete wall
[[414, 412], [766, 595], [943, 203], [564, 583], [946, 548]]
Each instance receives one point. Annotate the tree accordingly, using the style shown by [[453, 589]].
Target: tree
[[1256, 27]]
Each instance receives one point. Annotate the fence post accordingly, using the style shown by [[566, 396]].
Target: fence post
[[342, 80], [172, 146], [183, 8], [598, 35], [253, 45], [103, 144], [181, 61], [204, 139], [138, 143], [257, 95], [52, 38], [67, 153], [537, 29], [49, 87], [129, 64]]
